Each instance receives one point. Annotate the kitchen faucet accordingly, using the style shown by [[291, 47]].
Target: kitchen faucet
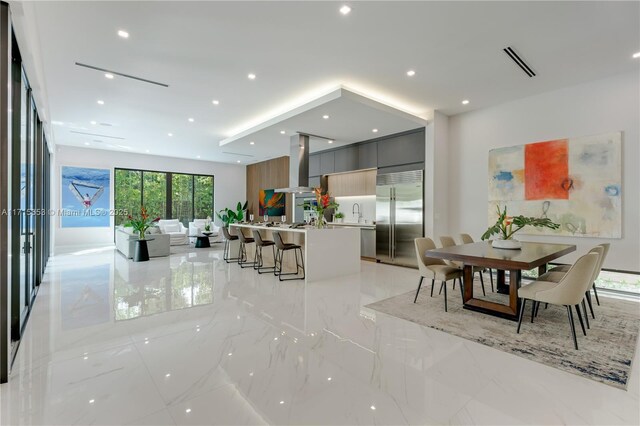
[[353, 209]]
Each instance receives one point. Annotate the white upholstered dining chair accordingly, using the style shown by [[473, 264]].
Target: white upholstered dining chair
[[447, 241], [468, 239], [435, 269]]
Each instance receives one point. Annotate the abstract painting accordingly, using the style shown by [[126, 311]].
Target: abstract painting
[[271, 203], [85, 197], [576, 182]]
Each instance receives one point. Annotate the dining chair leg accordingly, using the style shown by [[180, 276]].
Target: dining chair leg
[[584, 331], [482, 283], [444, 284], [441, 285], [588, 294], [573, 326], [491, 278], [586, 315], [533, 310], [461, 290], [454, 284], [537, 308], [524, 302], [433, 282], [595, 292], [418, 291]]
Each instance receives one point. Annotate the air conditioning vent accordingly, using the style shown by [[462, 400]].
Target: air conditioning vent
[[519, 62], [121, 74]]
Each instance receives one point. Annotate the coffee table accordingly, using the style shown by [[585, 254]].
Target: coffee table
[[202, 240]]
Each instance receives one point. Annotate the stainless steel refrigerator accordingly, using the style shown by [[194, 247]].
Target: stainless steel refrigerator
[[399, 216]]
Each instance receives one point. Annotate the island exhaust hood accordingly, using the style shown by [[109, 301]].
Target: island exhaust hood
[[298, 166]]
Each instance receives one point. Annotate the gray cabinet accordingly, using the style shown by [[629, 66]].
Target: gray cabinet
[[327, 162], [368, 156], [402, 149], [314, 181], [346, 159], [368, 243], [314, 165]]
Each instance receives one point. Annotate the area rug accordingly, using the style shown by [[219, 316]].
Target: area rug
[[605, 354]]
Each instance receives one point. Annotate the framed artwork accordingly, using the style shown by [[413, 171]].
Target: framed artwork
[[271, 203], [85, 197], [576, 182]]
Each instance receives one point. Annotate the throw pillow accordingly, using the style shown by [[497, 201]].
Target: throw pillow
[[171, 228]]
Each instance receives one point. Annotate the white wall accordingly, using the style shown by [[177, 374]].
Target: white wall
[[611, 104], [229, 185], [367, 205], [436, 198]]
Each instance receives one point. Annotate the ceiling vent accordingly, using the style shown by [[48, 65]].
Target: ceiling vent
[[95, 134], [133, 77], [519, 62]]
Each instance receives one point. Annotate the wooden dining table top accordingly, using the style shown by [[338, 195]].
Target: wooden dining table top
[[481, 253]]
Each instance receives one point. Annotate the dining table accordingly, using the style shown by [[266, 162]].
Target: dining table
[[482, 254]]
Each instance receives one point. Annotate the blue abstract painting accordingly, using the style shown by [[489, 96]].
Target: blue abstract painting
[[85, 197]]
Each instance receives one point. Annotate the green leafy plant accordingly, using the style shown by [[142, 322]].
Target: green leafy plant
[[228, 216], [504, 226], [339, 215], [142, 223]]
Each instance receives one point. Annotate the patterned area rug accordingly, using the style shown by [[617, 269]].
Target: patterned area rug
[[605, 353]]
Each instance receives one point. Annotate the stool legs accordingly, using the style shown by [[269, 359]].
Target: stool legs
[[258, 261], [242, 257], [299, 265], [225, 254]]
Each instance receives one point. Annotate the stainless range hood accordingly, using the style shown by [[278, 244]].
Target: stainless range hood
[[298, 166]]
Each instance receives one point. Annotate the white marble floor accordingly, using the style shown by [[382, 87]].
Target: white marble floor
[[192, 340]]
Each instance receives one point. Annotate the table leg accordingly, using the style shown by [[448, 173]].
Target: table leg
[[501, 286], [468, 282], [542, 269], [515, 277]]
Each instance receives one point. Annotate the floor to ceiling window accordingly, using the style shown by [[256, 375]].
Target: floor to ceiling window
[[166, 195], [26, 161]]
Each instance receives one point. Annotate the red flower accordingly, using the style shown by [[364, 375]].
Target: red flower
[[325, 200]]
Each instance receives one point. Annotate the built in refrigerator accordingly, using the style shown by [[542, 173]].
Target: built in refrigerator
[[399, 216]]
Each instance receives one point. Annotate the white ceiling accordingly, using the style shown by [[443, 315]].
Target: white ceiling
[[299, 50]]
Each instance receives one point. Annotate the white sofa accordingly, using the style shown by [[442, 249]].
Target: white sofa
[[177, 232], [126, 238], [197, 227]]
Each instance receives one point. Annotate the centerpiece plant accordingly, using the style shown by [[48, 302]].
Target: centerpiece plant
[[141, 223], [506, 226], [323, 202]]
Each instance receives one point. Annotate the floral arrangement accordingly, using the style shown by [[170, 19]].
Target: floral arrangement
[[142, 223], [323, 202], [504, 226], [207, 224]]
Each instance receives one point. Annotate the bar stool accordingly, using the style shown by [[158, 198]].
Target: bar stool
[[281, 247], [242, 254], [258, 263], [227, 244]]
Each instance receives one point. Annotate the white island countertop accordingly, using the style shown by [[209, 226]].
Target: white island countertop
[[328, 252]]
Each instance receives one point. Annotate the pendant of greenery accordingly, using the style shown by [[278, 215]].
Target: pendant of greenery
[[504, 227]]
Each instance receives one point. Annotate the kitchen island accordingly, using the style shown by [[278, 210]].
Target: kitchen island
[[328, 253]]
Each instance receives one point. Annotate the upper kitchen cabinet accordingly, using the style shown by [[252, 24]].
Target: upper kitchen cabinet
[[314, 165], [402, 149], [346, 159], [327, 162], [368, 155]]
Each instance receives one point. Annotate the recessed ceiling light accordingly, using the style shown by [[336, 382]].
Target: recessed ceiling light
[[91, 401], [167, 375], [281, 402], [147, 151], [251, 76], [109, 76], [345, 10], [330, 141], [215, 102], [252, 143], [169, 134], [188, 410], [87, 143], [411, 73], [100, 102], [373, 407], [123, 34], [191, 120], [326, 117], [198, 157], [238, 161], [636, 55], [465, 102], [282, 132], [374, 130], [94, 122]]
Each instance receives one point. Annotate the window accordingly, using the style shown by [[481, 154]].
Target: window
[[166, 195]]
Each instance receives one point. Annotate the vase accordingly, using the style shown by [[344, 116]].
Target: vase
[[141, 235], [320, 223], [510, 244]]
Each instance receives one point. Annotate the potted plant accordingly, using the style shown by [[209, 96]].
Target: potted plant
[[323, 202], [339, 217], [142, 223], [228, 216], [504, 228], [207, 226]]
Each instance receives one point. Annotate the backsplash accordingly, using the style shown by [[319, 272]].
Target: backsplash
[[367, 204]]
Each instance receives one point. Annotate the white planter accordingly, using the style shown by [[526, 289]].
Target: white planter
[[338, 220], [506, 244]]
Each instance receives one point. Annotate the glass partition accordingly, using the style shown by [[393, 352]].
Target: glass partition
[[154, 194], [203, 197], [128, 193]]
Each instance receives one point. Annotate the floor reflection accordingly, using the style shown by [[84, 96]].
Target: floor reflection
[[184, 282]]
